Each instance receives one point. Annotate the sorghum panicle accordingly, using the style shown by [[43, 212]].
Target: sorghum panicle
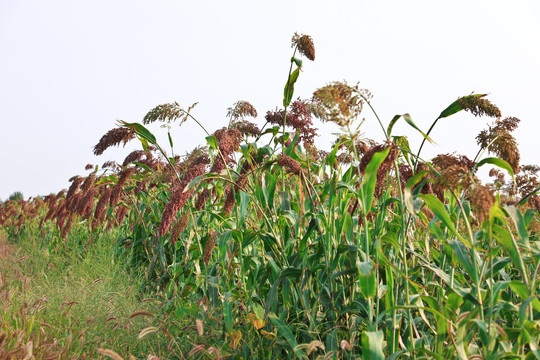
[[114, 137], [209, 247], [305, 45]]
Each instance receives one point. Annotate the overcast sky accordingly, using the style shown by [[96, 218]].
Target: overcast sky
[[69, 69]]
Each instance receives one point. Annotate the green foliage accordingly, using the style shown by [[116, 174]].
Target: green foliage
[[277, 253]]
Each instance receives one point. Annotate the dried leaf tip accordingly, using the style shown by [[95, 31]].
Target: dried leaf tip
[[304, 43]]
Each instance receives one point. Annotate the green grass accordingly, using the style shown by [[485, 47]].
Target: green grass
[[79, 298]]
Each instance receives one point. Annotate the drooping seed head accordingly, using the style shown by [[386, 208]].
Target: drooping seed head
[[498, 140], [178, 227], [88, 182], [339, 102], [453, 177], [178, 198], [482, 199], [241, 109], [305, 45], [133, 156], [113, 138], [228, 205], [290, 164], [102, 203], [121, 214], [479, 106], [75, 183], [168, 113], [209, 246], [202, 197], [443, 161], [247, 128]]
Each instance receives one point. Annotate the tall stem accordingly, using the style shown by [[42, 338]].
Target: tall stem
[[376, 116], [285, 113], [422, 144]]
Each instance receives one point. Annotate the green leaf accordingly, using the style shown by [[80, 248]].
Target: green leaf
[[292, 146], [141, 131], [404, 146], [271, 189], [370, 179], [372, 345], [332, 156], [244, 201], [346, 185], [284, 331], [212, 142], [170, 139], [438, 209], [297, 61], [144, 166], [213, 290], [464, 258], [409, 121], [391, 125], [455, 107], [259, 311], [227, 312], [497, 162], [271, 299], [507, 241], [289, 87], [519, 221], [499, 263], [520, 289], [412, 182], [144, 144], [524, 199], [368, 285], [192, 183]]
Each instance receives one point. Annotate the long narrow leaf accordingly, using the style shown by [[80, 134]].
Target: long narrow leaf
[[370, 179], [289, 87], [464, 258], [411, 183], [497, 162], [140, 130], [284, 331], [409, 121], [438, 209], [455, 107]]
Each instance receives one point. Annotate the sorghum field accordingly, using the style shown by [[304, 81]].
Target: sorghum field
[[258, 245]]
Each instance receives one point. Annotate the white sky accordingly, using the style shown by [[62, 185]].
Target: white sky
[[69, 69]]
